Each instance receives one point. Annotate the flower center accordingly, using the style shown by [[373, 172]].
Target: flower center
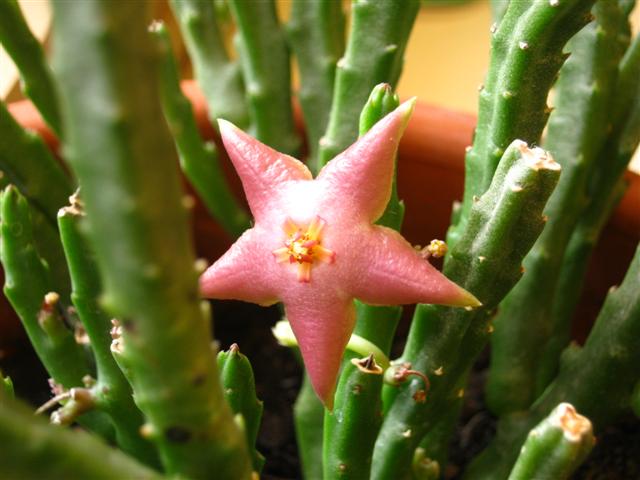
[[303, 246]]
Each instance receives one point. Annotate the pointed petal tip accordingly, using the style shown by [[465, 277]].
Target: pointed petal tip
[[327, 400], [406, 108], [225, 126], [467, 300]]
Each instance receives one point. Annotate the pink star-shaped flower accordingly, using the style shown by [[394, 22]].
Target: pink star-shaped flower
[[314, 245]]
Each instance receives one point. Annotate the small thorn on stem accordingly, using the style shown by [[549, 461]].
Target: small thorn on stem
[[52, 402], [367, 365]]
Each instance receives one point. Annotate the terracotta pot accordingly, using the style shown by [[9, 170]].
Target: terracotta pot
[[430, 176]]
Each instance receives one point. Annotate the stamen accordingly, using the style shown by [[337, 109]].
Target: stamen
[[303, 246], [289, 227], [281, 254], [304, 272], [324, 254], [317, 224]]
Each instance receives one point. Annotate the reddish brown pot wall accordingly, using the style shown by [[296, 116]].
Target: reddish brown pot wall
[[430, 176]]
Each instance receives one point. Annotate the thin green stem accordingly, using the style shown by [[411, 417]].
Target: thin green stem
[[264, 59], [598, 378], [27, 283], [30, 166], [375, 53], [316, 36], [603, 193], [27, 53], [576, 134], [239, 387], [350, 429], [198, 160], [112, 393], [29, 289], [308, 415], [555, 447], [504, 224], [218, 76], [127, 166], [526, 55]]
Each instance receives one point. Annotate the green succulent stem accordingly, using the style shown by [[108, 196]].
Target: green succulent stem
[[29, 165], [584, 378], [27, 53], [555, 447], [344, 443], [350, 429], [435, 444], [374, 323], [264, 58], [26, 162], [29, 290], [33, 449], [526, 55], [605, 189], [198, 160], [375, 53], [218, 76], [503, 225], [576, 134], [316, 32], [112, 393], [308, 416], [127, 166], [27, 282], [236, 376]]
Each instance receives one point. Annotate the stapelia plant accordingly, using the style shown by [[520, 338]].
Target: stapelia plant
[[106, 282]]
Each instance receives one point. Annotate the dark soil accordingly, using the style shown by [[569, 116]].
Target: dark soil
[[615, 457]]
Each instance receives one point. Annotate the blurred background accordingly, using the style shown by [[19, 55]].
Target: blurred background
[[445, 62]]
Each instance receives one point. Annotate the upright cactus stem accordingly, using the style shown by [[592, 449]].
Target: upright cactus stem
[[556, 447], [584, 97], [29, 165], [308, 415], [29, 57], [218, 76], [236, 376], [198, 160], [28, 288], [26, 162], [605, 190], [526, 55], [137, 225], [584, 379], [350, 430], [316, 36], [374, 54], [382, 101], [264, 58], [378, 323], [111, 393], [375, 324], [503, 225]]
